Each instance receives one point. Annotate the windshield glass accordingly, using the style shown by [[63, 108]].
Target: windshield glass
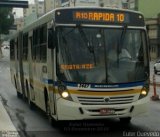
[[101, 55]]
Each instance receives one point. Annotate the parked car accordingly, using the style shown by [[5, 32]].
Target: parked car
[[157, 67]]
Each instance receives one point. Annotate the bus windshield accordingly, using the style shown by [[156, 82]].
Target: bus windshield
[[101, 55]]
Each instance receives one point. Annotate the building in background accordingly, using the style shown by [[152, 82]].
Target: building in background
[[99, 3], [129, 4], [30, 10], [153, 25], [85, 2], [40, 10], [33, 12], [51, 4], [30, 14], [151, 12], [112, 3]]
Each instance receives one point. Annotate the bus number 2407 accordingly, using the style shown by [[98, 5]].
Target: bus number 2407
[[83, 85]]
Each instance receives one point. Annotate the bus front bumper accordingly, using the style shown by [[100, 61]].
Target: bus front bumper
[[68, 110]]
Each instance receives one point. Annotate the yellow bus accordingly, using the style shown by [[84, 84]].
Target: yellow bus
[[83, 63]]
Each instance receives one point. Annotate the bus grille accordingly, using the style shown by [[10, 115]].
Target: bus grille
[[106, 100]]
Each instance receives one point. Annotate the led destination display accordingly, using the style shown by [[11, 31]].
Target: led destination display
[[98, 16], [101, 16]]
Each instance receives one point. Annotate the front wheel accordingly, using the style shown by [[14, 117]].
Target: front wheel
[[125, 120], [30, 103], [48, 112], [19, 95]]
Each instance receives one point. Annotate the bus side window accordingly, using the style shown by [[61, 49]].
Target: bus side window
[[38, 45], [36, 48], [43, 43], [25, 46], [34, 44]]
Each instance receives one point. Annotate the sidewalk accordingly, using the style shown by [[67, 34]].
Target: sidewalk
[[5, 121]]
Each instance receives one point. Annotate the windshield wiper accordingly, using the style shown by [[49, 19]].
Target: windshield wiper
[[123, 34], [120, 42], [87, 43]]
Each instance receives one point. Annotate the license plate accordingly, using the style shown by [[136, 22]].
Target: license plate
[[107, 111]]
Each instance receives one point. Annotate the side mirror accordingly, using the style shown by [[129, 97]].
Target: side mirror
[[52, 39]]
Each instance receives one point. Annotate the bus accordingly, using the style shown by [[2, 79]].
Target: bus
[[80, 63]]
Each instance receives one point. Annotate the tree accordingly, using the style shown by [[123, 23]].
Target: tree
[[6, 21]]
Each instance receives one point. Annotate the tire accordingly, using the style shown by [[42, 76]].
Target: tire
[[19, 95], [48, 111], [125, 120], [30, 103]]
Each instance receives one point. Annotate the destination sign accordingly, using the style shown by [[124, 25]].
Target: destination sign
[[100, 16], [77, 66]]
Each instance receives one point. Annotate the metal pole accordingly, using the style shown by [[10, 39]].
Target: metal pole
[[155, 95], [154, 85], [1, 54]]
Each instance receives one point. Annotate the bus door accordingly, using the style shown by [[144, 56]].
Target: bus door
[[31, 81], [20, 65], [17, 76], [51, 62]]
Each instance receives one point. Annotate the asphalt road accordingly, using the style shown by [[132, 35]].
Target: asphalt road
[[34, 123]]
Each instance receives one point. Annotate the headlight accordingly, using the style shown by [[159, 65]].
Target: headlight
[[64, 92], [144, 92]]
